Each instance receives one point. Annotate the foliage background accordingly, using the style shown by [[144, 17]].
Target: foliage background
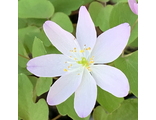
[[33, 42]]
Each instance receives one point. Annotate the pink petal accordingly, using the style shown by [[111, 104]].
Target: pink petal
[[64, 87], [48, 65], [111, 43], [134, 6], [61, 39], [111, 79], [85, 95], [85, 31]]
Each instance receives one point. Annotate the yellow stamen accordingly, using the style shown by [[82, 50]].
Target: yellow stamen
[[66, 62], [78, 74], [65, 70], [69, 56], [89, 69], [75, 58], [70, 64], [89, 48], [91, 58], [71, 50], [91, 61], [81, 51]]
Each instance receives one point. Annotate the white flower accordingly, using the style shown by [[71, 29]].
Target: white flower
[[80, 66]]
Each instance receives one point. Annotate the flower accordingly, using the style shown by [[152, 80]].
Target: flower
[[81, 65], [134, 6]]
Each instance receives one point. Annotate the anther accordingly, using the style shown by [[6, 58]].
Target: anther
[[81, 51], [89, 69], [65, 70], [91, 61]]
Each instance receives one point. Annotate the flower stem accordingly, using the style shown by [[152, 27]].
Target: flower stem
[[56, 117], [134, 24], [23, 56]]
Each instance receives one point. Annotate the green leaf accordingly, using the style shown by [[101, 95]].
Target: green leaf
[[29, 39], [44, 38], [129, 66], [127, 111], [35, 9], [63, 20], [67, 108], [52, 50], [35, 22], [134, 43], [22, 55], [99, 113], [26, 36], [100, 15], [23, 70], [38, 48], [21, 23], [115, 1], [40, 85], [26, 31], [66, 6], [27, 109], [103, 0], [43, 85], [122, 13], [108, 101]]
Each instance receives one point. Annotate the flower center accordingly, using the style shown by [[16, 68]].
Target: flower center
[[80, 60], [84, 62]]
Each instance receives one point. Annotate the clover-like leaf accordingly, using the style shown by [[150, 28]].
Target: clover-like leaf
[[35, 9], [27, 109]]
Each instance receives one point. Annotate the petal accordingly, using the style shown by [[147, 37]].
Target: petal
[[133, 5], [85, 31], [111, 43], [48, 65], [111, 79], [136, 8], [64, 87], [85, 95], [61, 39]]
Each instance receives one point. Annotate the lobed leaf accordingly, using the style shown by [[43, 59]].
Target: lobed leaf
[[35, 9], [129, 66], [27, 109]]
